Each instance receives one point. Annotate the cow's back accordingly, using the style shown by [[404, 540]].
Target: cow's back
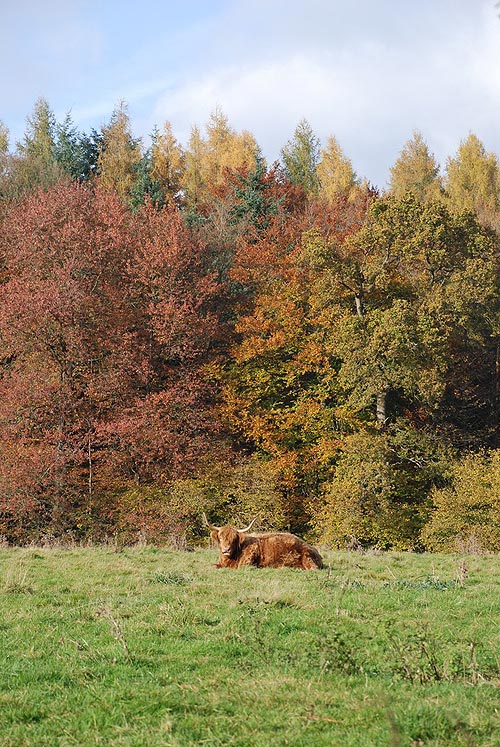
[[286, 549]]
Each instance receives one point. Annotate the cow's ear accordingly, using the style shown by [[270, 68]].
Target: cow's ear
[[241, 538], [214, 535]]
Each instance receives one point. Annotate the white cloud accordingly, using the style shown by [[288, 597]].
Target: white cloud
[[370, 92], [368, 72]]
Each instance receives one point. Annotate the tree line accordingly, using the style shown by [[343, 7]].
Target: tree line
[[187, 329]]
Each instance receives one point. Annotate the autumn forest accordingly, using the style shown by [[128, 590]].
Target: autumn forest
[[189, 328]]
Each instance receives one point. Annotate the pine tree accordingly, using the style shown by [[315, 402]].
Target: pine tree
[[416, 171], [301, 157]]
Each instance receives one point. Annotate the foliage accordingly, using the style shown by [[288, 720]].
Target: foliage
[[167, 164], [473, 181], [119, 154], [209, 160], [466, 513], [186, 329], [416, 171], [300, 157], [105, 321], [378, 495], [335, 172]]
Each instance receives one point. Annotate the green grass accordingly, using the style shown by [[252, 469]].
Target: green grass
[[149, 647]]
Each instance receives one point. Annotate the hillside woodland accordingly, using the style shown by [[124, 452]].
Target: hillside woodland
[[188, 329]]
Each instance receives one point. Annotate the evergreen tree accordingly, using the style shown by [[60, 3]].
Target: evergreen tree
[[67, 148], [90, 147], [301, 157], [145, 185], [416, 171], [35, 163]]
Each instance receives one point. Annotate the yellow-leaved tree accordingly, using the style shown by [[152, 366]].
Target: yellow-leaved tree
[[416, 170], [335, 173], [209, 159], [473, 182], [466, 514], [168, 163], [119, 155]]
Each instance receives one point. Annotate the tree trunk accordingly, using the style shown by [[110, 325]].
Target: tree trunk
[[381, 408], [497, 386]]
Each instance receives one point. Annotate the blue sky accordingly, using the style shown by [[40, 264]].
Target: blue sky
[[367, 71]]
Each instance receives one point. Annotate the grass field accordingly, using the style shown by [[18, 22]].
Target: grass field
[[146, 647]]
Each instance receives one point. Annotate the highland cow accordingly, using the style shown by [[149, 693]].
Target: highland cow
[[268, 550]]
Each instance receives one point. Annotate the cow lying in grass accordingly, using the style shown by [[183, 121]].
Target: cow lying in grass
[[237, 548]]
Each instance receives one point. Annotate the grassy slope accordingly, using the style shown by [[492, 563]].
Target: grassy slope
[[149, 647]]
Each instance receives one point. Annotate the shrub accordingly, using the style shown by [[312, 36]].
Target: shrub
[[466, 513], [379, 492]]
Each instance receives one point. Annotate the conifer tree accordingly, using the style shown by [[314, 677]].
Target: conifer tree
[[473, 181], [167, 163], [68, 148], [119, 155], [209, 160], [301, 157], [35, 163], [192, 179], [335, 173], [90, 148], [39, 138], [416, 171], [4, 146], [227, 149]]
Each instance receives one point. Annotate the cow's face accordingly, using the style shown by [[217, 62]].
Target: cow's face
[[228, 539]]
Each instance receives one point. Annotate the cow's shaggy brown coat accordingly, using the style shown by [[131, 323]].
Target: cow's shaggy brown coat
[[237, 548]]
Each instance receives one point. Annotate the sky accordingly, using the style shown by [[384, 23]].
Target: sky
[[369, 72]]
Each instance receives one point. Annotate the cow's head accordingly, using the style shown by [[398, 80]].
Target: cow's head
[[228, 538]]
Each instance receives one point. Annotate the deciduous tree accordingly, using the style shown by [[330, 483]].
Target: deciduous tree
[[167, 163], [119, 155], [335, 173], [105, 322], [473, 181], [416, 171]]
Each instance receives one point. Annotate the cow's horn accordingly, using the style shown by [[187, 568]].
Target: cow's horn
[[247, 529], [210, 526]]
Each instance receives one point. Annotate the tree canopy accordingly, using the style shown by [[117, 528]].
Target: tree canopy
[[183, 328]]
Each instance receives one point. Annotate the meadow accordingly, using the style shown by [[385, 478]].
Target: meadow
[[142, 647]]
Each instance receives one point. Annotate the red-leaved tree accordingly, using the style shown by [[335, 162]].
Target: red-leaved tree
[[105, 322]]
